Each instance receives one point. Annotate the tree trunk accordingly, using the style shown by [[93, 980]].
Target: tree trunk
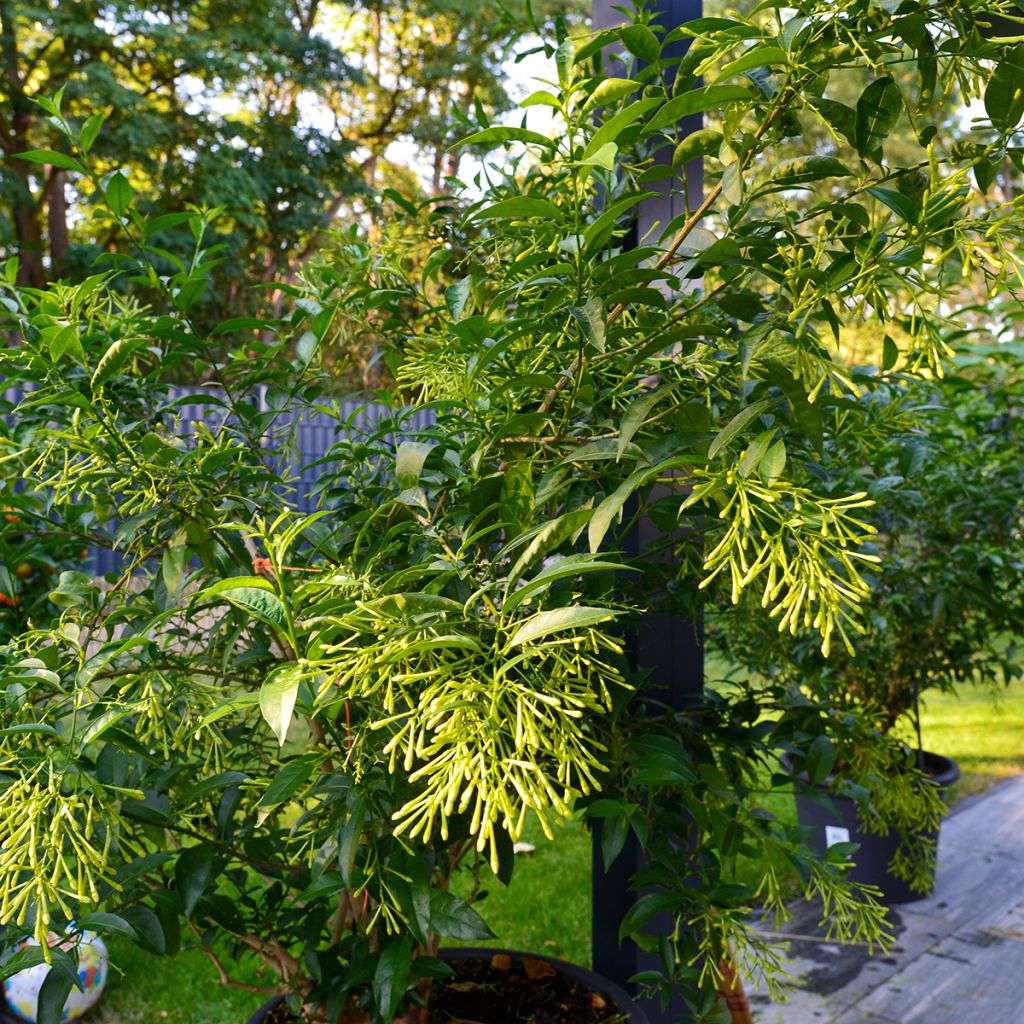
[[24, 212], [57, 222]]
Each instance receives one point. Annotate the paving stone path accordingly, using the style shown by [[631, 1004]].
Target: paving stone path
[[958, 956]]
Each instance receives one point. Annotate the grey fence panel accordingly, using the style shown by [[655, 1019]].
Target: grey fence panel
[[308, 432]]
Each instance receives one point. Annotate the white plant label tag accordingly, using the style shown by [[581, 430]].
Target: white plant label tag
[[834, 834]]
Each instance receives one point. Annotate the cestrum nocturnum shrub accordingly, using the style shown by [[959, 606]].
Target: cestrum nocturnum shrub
[[287, 730]]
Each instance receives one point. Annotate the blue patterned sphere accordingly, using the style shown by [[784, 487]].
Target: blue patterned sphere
[[21, 990]]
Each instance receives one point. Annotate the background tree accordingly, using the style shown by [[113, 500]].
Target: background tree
[[281, 112]]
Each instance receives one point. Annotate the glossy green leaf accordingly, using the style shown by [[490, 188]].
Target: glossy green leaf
[[736, 425], [878, 110], [1004, 94], [697, 101], [278, 695], [391, 978], [193, 874], [53, 158], [498, 135], [558, 620], [454, 918], [118, 194]]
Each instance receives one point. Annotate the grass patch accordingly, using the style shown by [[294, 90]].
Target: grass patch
[[982, 729], [547, 907]]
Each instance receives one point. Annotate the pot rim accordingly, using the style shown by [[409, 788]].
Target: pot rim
[[947, 771], [595, 982]]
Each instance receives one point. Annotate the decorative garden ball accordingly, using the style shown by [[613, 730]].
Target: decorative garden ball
[[21, 990]]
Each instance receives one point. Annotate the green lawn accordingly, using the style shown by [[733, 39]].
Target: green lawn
[[547, 909]]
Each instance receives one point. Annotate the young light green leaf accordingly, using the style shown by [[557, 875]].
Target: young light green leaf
[[735, 425], [409, 460], [773, 462], [558, 620], [497, 135], [696, 101], [53, 158], [118, 193], [90, 130], [637, 414], [610, 90], [756, 450], [277, 699], [518, 208]]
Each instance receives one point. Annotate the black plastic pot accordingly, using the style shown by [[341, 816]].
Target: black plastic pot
[[836, 820], [571, 972]]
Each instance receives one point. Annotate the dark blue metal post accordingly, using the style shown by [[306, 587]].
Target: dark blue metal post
[[667, 647]]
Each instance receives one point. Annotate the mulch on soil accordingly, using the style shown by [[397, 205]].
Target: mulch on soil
[[506, 990]]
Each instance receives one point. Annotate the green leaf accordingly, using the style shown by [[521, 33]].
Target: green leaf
[[821, 757], [604, 157], [592, 317], [266, 607], [614, 831], [1004, 95], [457, 295], [560, 568], [454, 918], [902, 205], [192, 875], [610, 90], [565, 55], [811, 168], [641, 42], [541, 98], [290, 779], [890, 353], [53, 994], [149, 932], [773, 463], [118, 194], [756, 451], [306, 347], [558, 620], [545, 539], [697, 101], [409, 460], [277, 698], [498, 134], [51, 157], [759, 56], [114, 358], [230, 583], [878, 110], [414, 603], [618, 123], [696, 145], [518, 208], [391, 978], [23, 960], [64, 341], [90, 130], [736, 424], [732, 183], [637, 414]]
